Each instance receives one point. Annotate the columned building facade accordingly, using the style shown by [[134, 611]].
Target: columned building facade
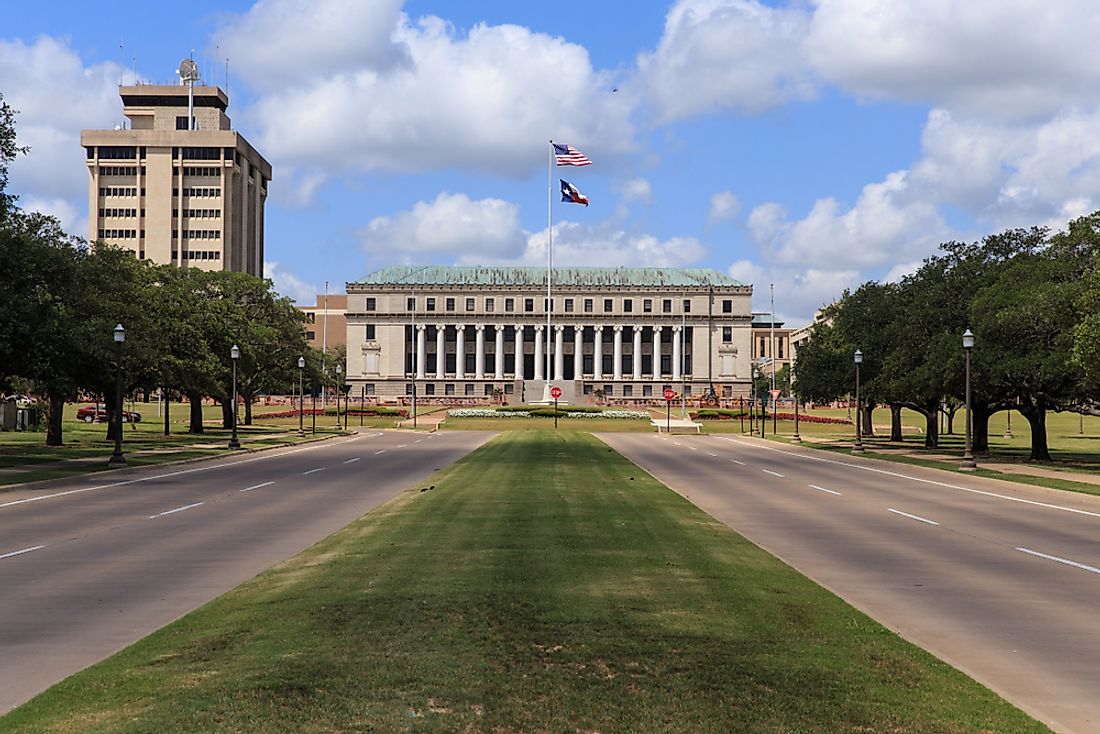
[[479, 333]]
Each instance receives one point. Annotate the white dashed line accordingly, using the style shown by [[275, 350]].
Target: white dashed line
[[402, 446], [739, 463], [311, 471], [1056, 559], [773, 473], [352, 460], [822, 489], [710, 454], [376, 453], [21, 552], [257, 486], [918, 518], [178, 509], [418, 440], [693, 448]]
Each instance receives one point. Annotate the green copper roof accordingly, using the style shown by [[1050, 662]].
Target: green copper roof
[[508, 276]]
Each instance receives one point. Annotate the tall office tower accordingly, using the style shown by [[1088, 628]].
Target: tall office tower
[[177, 185]]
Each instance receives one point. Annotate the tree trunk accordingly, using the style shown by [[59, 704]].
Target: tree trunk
[[868, 423], [895, 424], [227, 414], [1037, 419], [110, 402], [196, 412], [167, 402], [54, 408], [931, 428], [979, 424], [248, 410], [950, 413]]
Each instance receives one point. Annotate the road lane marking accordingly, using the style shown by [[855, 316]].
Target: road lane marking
[[418, 440], [933, 482], [168, 475], [822, 489], [402, 446], [773, 473], [257, 486], [735, 461], [376, 453], [710, 454], [677, 443], [918, 518], [352, 460], [21, 552], [313, 471], [693, 448], [1056, 559], [178, 509]]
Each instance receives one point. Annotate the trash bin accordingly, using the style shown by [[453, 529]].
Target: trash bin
[[26, 419]]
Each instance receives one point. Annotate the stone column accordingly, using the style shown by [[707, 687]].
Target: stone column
[[421, 350], [498, 358], [519, 352], [460, 352], [597, 354], [578, 352], [559, 351], [479, 352], [538, 351], [617, 355], [638, 352], [677, 335], [440, 350], [656, 352]]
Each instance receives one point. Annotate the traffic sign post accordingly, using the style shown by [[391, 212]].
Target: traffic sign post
[[555, 392], [775, 408], [670, 395]]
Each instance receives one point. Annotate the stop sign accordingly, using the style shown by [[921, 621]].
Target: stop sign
[[555, 392], [670, 394]]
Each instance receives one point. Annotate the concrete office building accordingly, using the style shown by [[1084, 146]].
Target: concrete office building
[[475, 333], [178, 188]]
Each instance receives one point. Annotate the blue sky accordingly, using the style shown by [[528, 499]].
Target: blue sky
[[813, 144]]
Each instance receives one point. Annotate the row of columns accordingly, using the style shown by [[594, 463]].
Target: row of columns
[[540, 360]]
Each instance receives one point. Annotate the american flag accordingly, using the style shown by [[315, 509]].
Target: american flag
[[567, 155]]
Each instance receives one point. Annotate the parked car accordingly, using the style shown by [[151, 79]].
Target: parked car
[[98, 414]]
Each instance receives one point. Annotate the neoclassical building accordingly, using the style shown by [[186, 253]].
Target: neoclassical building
[[479, 332]]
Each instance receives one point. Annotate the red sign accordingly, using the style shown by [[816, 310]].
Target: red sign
[[555, 392], [775, 394], [670, 394]]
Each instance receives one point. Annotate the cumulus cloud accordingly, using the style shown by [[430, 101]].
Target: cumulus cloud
[[478, 101], [798, 292], [727, 54], [637, 189], [607, 244], [724, 206], [451, 224], [290, 285]]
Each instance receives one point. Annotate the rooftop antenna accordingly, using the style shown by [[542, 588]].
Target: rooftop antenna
[[189, 74]]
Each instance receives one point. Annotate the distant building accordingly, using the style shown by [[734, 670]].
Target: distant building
[[771, 343], [801, 336], [327, 324], [480, 332], [174, 190]]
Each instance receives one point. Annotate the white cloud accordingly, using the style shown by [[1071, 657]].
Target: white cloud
[[727, 54], [480, 101], [72, 220], [637, 189], [452, 224], [724, 206], [798, 292], [606, 244], [290, 285]]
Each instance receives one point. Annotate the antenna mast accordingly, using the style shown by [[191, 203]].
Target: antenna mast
[[189, 73]]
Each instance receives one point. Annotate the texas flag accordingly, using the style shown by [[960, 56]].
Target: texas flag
[[569, 193]]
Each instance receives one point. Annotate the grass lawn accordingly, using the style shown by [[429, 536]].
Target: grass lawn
[[545, 584]]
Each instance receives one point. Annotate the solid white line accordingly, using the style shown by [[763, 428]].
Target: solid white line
[[735, 461], [257, 486], [376, 453], [822, 489], [1056, 559], [913, 517], [933, 482], [352, 460], [773, 473], [312, 471], [21, 552], [178, 509], [219, 465]]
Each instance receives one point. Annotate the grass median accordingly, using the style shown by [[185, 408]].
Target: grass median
[[544, 584]]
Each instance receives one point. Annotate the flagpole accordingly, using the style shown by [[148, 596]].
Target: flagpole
[[549, 247]]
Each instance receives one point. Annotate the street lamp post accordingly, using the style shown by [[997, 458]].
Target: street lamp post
[[301, 395], [752, 406], [858, 448], [795, 438], [117, 459], [339, 389], [968, 463], [234, 354]]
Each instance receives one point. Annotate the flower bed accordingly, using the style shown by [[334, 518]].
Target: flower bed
[[616, 414], [487, 413], [804, 418], [547, 412], [378, 411]]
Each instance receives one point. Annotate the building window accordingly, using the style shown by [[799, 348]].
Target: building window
[[763, 347], [607, 305], [408, 388], [489, 389], [727, 306], [647, 305], [449, 389], [509, 304], [666, 305], [509, 388], [588, 305], [608, 390], [430, 304], [372, 304], [368, 388], [569, 305], [528, 304], [779, 346], [450, 304], [490, 304], [727, 334], [469, 304], [370, 332], [181, 122], [469, 389], [687, 305], [429, 389], [628, 391], [548, 305], [311, 335], [410, 303], [628, 305]]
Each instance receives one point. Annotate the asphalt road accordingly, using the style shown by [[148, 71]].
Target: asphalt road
[[92, 565], [998, 579]]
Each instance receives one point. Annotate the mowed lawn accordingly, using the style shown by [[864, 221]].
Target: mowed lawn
[[545, 584]]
